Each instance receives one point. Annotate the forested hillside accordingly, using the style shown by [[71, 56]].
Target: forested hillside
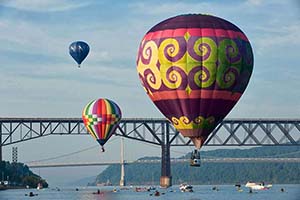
[[19, 174], [215, 173]]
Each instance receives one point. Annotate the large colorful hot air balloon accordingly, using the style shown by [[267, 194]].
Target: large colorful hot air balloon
[[79, 51], [101, 118], [195, 68]]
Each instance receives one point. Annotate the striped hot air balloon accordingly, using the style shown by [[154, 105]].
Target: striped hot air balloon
[[101, 118]]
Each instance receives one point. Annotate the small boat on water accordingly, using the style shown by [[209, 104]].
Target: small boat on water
[[186, 187], [258, 186], [238, 187], [39, 186], [142, 189], [31, 194], [151, 188]]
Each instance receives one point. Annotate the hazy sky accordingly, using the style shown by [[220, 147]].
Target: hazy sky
[[38, 78]]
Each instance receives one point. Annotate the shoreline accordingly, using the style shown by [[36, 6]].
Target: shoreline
[[11, 187]]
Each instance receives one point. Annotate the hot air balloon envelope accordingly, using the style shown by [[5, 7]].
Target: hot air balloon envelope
[[79, 51], [101, 118], [195, 68]]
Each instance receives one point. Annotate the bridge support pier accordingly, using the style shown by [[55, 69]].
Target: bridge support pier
[[122, 179], [166, 178], [0, 142]]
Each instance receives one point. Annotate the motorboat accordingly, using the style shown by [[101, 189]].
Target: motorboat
[[186, 187], [258, 186]]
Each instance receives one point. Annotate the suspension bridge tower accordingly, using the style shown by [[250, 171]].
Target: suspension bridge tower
[[122, 180]]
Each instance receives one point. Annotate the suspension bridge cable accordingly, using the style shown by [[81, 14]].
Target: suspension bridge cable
[[64, 155], [68, 154], [152, 145]]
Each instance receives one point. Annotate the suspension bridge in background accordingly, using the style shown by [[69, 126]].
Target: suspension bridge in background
[[205, 160], [160, 132]]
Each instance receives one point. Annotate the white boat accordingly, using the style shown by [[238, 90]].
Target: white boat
[[185, 187], [258, 186], [39, 186]]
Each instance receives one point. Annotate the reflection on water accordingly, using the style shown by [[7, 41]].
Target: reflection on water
[[203, 192]]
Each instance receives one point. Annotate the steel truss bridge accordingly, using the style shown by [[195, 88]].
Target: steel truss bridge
[[231, 132]]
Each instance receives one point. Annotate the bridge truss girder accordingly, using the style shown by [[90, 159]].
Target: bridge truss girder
[[231, 132]]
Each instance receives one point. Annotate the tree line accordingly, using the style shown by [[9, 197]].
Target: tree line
[[214, 173], [19, 175]]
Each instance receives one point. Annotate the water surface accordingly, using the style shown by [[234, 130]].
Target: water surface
[[201, 192]]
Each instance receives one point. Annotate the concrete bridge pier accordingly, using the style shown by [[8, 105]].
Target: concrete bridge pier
[[166, 178], [122, 179], [0, 142]]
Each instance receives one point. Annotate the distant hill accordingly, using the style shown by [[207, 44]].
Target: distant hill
[[214, 173], [19, 175]]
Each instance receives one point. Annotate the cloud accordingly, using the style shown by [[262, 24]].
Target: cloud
[[65, 88], [173, 8], [260, 3], [254, 2], [277, 39], [35, 39], [23, 36], [44, 5]]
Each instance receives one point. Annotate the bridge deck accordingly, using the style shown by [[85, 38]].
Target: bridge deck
[[206, 160]]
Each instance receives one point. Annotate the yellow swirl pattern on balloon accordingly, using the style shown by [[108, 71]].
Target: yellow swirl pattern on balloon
[[201, 50], [150, 52], [171, 47], [198, 123], [173, 75], [205, 46], [172, 65], [199, 120], [170, 69]]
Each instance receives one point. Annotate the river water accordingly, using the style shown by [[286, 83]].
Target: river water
[[202, 192]]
